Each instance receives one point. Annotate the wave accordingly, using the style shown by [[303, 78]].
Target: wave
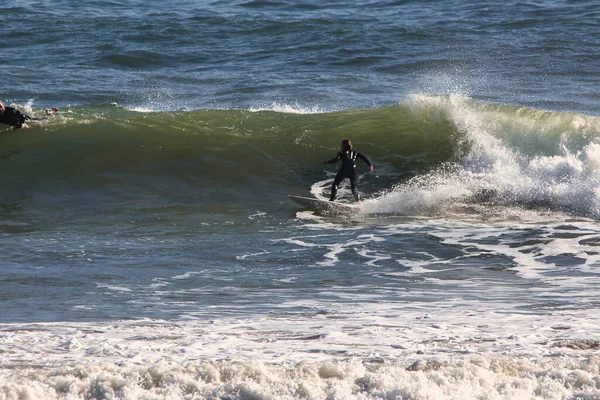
[[508, 155], [430, 151]]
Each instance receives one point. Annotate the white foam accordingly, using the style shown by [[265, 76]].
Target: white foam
[[141, 109], [290, 109], [448, 351], [516, 156], [473, 338], [114, 288]]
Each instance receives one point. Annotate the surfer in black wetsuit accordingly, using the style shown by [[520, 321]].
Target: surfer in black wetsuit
[[348, 169], [15, 118]]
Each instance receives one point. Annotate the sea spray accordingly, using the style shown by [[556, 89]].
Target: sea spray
[[509, 156]]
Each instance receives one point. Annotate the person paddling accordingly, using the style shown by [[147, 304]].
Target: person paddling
[[15, 118], [348, 168]]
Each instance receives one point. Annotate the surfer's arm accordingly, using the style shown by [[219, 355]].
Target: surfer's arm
[[49, 112], [366, 160], [333, 160]]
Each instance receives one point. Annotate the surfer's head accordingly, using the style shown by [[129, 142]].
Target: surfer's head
[[346, 145]]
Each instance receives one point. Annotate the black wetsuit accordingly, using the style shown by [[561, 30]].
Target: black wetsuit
[[13, 117], [348, 170]]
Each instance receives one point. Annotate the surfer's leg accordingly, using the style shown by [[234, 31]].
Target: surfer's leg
[[336, 182], [353, 180]]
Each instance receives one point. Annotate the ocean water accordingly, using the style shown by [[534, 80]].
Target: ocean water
[[148, 249]]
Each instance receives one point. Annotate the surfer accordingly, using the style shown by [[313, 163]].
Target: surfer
[[348, 168], [15, 118]]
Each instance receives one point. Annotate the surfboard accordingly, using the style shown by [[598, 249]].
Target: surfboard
[[324, 206]]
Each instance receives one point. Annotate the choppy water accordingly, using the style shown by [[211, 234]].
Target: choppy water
[[149, 250]]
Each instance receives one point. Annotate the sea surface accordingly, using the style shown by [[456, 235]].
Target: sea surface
[[148, 249]]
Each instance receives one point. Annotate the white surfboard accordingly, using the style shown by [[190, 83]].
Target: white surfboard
[[324, 206]]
